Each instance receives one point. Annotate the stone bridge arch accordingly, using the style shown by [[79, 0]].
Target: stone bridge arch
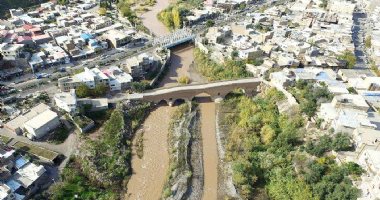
[[217, 91]]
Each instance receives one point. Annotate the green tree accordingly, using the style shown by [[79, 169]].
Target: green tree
[[267, 134], [183, 80], [102, 11], [342, 142], [99, 90], [349, 57], [140, 86], [177, 22], [210, 23], [368, 42], [83, 91], [287, 187], [63, 2]]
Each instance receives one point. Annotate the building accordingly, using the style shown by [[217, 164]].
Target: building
[[350, 101], [6, 193], [117, 38], [38, 121], [137, 66], [118, 80], [96, 104], [27, 179], [42, 124], [11, 51], [66, 101], [369, 160], [366, 138], [65, 84]]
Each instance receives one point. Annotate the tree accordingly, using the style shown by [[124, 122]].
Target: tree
[[100, 90], [210, 23], [368, 42], [353, 168], [102, 11], [83, 91], [287, 187], [140, 86], [349, 57], [267, 134], [342, 142], [176, 18], [63, 2]]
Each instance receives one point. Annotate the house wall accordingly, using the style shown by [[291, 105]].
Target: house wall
[[43, 130]]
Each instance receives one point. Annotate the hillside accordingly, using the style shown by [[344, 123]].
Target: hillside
[[5, 5]]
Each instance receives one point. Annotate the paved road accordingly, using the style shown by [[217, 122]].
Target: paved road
[[358, 37]]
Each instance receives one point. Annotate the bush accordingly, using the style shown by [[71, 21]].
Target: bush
[[349, 57], [340, 142], [184, 80], [232, 69], [140, 86], [83, 91]]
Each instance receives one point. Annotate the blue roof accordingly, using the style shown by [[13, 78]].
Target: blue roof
[[13, 185], [20, 162], [86, 36]]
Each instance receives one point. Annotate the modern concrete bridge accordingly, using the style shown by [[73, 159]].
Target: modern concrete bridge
[[216, 90], [175, 38]]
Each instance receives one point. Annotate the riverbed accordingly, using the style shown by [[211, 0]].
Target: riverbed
[[150, 20], [149, 173]]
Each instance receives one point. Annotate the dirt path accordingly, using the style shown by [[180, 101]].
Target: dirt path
[[210, 151], [149, 172]]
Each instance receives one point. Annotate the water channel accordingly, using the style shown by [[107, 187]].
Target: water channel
[[149, 172]]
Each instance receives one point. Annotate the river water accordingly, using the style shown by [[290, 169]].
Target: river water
[[149, 172], [210, 150], [150, 18]]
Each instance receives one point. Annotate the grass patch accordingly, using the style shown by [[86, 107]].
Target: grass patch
[[59, 135], [75, 185], [5, 139], [35, 150]]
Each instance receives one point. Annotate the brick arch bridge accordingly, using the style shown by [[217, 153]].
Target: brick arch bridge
[[216, 90]]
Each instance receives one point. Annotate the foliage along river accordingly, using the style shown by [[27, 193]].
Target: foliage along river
[[149, 172]]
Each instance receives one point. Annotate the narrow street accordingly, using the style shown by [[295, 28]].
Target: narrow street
[[358, 37]]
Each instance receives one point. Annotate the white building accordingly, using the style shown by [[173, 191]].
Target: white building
[[29, 174], [11, 51], [118, 80], [42, 124], [370, 184], [66, 101], [6, 193]]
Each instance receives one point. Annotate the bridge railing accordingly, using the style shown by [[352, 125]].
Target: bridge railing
[[181, 34]]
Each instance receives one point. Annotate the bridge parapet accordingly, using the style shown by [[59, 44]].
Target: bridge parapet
[[217, 91], [174, 38]]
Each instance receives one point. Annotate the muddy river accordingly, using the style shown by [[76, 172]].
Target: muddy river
[[210, 150], [149, 172], [150, 18]]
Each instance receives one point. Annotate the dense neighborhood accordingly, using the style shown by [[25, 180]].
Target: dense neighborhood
[[213, 99]]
